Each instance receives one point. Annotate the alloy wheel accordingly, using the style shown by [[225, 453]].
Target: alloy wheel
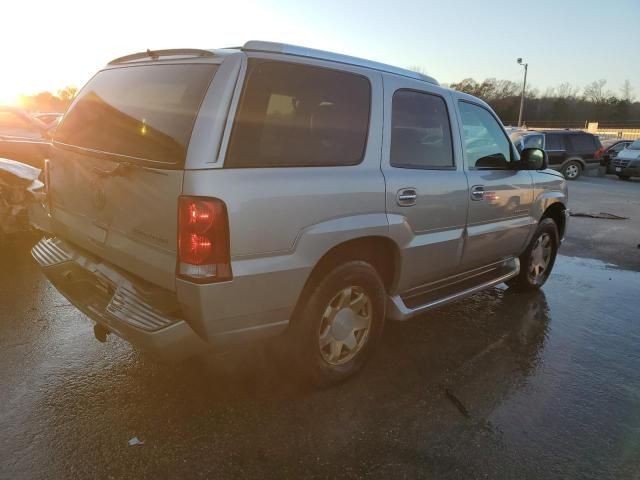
[[345, 325], [540, 258]]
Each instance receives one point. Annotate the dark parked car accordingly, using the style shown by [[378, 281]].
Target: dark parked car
[[627, 162], [569, 151], [610, 150], [23, 138]]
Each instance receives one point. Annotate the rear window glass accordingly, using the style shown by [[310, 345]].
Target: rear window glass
[[554, 142], [293, 115], [143, 112], [420, 131]]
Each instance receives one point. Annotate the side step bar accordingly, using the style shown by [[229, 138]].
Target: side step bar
[[398, 310]]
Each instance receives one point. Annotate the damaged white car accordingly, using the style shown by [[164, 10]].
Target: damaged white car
[[22, 197]]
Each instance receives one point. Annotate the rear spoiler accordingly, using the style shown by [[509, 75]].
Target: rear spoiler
[[156, 54]]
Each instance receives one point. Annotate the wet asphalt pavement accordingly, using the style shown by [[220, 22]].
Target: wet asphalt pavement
[[501, 385]]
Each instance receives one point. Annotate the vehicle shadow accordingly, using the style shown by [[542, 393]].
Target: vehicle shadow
[[431, 376]]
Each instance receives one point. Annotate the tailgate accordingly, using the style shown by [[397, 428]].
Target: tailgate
[[116, 167], [126, 215]]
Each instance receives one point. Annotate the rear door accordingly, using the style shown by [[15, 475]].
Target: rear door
[[117, 167], [426, 188], [501, 197], [556, 149]]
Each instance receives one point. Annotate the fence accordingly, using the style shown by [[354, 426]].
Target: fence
[[604, 132]]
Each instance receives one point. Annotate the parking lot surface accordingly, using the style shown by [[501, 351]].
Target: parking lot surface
[[502, 384]]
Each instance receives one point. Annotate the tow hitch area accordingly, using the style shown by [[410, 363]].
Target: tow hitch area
[[20, 189]]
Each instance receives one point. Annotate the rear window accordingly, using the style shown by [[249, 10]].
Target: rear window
[[143, 112], [293, 115], [554, 142]]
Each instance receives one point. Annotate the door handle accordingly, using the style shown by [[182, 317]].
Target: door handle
[[477, 192], [406, 197]]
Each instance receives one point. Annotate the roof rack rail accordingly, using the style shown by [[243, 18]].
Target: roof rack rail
[[286, 49], [156, 54]]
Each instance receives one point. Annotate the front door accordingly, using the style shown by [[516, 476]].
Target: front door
[[427, 191], [501, 196]]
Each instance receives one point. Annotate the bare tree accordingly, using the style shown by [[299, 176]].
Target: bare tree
[[596, 93], [627, 92], [418, 69], [68, 93], [566, 90]]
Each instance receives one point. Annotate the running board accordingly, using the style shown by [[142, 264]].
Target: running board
[[397, 309]]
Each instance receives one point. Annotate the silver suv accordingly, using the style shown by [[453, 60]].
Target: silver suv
[[200, 198]]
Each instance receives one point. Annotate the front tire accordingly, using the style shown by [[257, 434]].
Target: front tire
[[572, 170], [624, 177], [538, 259], [341, 321]]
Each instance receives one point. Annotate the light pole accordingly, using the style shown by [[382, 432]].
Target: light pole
[[524, 87]]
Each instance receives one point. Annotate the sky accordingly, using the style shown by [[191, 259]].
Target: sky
[[47, 45]]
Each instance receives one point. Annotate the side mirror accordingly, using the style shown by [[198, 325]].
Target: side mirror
[[534, 159]]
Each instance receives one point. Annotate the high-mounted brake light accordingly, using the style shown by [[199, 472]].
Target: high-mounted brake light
[[203, 240]]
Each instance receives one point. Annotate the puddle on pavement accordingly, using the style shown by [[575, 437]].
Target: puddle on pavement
[[502, 384]]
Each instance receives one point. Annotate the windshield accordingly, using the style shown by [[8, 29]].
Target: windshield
[[635, 145], [144, 112]]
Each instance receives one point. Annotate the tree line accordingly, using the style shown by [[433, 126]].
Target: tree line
[[565, 105], [49, 102]]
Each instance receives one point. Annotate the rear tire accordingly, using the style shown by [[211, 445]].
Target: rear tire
[[624, 177], [335, 331], [538, 259], [572, 170]]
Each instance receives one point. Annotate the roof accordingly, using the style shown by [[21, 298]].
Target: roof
[[286, 49], [563, 132], [272, 47]]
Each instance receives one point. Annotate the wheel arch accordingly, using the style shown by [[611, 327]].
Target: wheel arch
[[380, 251], [556, 212]]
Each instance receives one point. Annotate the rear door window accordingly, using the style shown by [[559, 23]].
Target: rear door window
[[143, 113], [420, 131], [555, 142], [293, 115]]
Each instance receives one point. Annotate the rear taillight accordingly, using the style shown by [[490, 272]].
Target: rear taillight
[[203, 240], [599, 153]]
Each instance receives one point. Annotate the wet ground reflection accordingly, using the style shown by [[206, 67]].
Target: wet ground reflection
[[502, 384]]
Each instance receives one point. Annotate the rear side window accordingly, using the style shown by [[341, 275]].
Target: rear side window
[[420, 131], [142, 112], [293, 115], [583, 143], [554, 142]]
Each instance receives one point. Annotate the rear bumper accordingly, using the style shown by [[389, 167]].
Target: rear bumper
[[147, 316]]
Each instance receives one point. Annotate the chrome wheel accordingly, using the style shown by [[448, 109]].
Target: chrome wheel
[[345, 325], [572, 171], [540, 258]]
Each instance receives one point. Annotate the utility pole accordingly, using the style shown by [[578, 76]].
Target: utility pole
[[524, 87]]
